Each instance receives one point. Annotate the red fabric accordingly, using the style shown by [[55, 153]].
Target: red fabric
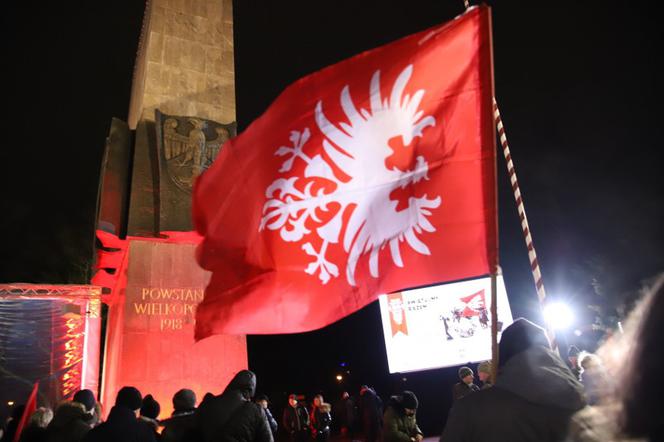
[[30, 407], [349, 156], [474, 304]]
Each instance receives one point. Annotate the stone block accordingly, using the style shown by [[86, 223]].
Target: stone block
[[227, 10], [213, 60], [157, 18], [155, 47]]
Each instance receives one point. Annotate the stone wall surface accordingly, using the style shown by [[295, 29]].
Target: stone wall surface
[[185, 61]]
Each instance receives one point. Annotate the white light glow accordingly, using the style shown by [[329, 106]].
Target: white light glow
[[558, 315]]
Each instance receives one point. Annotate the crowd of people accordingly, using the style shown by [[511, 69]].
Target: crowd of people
[[537, 396]]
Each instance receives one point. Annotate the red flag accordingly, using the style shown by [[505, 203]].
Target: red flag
[[372, 175], [30, 407]]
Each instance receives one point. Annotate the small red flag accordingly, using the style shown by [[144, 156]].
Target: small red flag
[[30, 407], [370, 176]]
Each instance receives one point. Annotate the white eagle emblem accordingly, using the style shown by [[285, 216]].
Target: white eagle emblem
[[359, 149]]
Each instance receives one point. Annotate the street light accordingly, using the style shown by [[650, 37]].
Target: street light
[[339, 378], [558, 315]]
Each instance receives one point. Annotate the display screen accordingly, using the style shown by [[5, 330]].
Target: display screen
[[441, 326]]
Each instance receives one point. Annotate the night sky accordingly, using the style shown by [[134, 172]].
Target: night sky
[[579, 91]]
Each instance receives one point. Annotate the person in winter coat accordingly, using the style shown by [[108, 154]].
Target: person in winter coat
[[87, 399], [232, 416], [35, 431], [466, 386], [320, 419], [264, 402], [371, 413], [533, 399], [180, 427], [296, 420], [70, 423], [150, 409], [122, 423], [400, 424], [484, 373], [343, 413]]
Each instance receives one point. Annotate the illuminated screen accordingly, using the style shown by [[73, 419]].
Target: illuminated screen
[[441, 326]]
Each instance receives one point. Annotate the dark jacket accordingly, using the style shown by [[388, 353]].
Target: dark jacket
[[397, 427], [461, 389], [371, 409], [533, 400], [70, 423], [231, 417], [295, 419], [179, 427], [343, 413], [121, 425], [272, 422], [33, 433], [153, 424], [320, 423]]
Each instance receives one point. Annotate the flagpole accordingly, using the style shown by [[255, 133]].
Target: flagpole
[[532, 255]]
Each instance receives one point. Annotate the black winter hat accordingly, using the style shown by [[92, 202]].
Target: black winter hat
[[261, 397], [87, 398], [184, 399], [150, 407], [129, 397], [520, 336], [409, 400]]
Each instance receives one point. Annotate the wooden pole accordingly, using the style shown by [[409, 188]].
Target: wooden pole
[[532, 255], [494, 325]]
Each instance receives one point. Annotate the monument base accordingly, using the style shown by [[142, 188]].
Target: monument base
[[150, 331]]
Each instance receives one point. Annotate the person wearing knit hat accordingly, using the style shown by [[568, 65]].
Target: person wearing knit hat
[[484, 373], [150, 409], [399, 422], [181, 425], [466, 386], [122, 422], [533, 399], [87, 398]]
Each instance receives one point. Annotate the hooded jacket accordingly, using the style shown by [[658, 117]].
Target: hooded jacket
[[69, 424], [533, 399], [397, 427], [231, 417]]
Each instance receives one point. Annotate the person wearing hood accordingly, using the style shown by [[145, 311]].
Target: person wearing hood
[[533, 399], [70, 423], [399, 422], [122, 423], [150, 409], [232, 416], [180, 426]]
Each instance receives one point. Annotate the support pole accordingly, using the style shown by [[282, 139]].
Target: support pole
[[532, 255], [494, 326]]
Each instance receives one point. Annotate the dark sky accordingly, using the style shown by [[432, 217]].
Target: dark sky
[[577, 83]]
